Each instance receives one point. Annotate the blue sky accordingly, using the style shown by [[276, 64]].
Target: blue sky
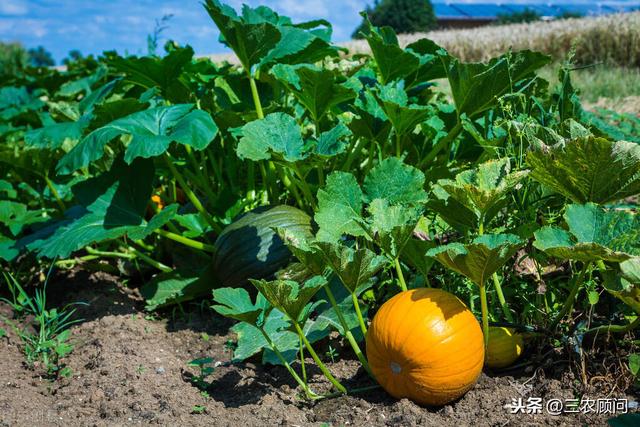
[[94, 26]]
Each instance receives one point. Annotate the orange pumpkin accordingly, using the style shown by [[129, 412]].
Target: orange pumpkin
[[425, 344]]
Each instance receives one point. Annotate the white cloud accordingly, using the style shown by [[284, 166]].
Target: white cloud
[[21, 28], [13, 7]]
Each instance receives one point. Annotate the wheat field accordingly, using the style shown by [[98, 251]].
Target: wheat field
[[612, 39]]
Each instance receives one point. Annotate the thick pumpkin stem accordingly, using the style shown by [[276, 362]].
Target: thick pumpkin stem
[[347, 332], [316, 359], [485, 313]]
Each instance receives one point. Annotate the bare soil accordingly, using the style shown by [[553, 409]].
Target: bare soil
[[130, 368]]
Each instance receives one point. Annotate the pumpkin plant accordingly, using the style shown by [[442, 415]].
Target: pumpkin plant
[[394, 194], [595, 236], [477, 261], [236, 304], [473, 199], [292, 298]]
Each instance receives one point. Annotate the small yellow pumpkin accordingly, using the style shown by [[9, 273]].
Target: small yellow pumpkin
[[425, 345], [505, 346]]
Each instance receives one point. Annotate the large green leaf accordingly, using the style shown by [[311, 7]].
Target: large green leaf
[[251, 40], [391, 226], [354, 267], [17, 100], [289, 296], [476, 87], [236, 304], [594, 234], [395, 182], [314, 87], [479, 259], [371, 122], [15, 216], [588, 169], [8, 250], [177, 286], [54, 136], [151, 132], [260, 37], [115, 203], [395, 194], [301, 43], [332, 142], [163, 73], [392, 61], [404, 117], [277, 133], [251, 341], [478, 193], [339, 206], [416, 64]]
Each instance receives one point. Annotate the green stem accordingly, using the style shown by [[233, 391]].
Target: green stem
[[190, 195], [575, 289], [152, 262], [256, 96], [356, 306], [251, 181], [403, 284], [302, 364], [291, 187], [108, 254], [501, 299], [185, 241], [306, 190], [614, 329], [355, 148], [315, 357], [295, 376], [347, 331], [74, 261], [134, 253], [398, 144], [55, 193], [440, 145], [485, 313], [205, 182]]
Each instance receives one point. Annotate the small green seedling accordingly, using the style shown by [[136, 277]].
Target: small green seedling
[[206, 367], [198, 409], [332, 354]]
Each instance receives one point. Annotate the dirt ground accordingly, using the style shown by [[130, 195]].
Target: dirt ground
[[130, 368]]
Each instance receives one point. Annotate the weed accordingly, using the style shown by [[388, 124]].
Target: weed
[[50, 340]]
